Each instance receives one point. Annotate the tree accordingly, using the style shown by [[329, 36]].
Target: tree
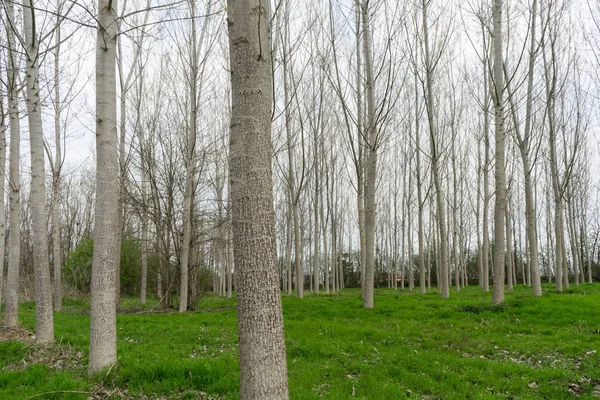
[[11, 314], [263, 372], [431, 62], [103, 321], [44, 321], [2, 187], [500, 199]]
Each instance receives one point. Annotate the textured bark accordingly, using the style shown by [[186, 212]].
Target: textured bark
[[500, 199], [11, 314], [103, 322], [262, 357], [44, 318]]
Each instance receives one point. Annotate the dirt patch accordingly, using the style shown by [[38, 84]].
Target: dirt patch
[[15, 333]]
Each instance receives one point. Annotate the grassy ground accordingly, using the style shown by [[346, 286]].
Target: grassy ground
[[409, 346]]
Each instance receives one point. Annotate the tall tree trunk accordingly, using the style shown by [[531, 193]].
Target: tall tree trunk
[[190, 164], [500, 199], [2, 202], [44, 318], [419, 192], [371, 166], [56, 171], [435, 162], [11, 313], [103, 321], [262, 357], [486, 162], [144, 215], [291, 178]]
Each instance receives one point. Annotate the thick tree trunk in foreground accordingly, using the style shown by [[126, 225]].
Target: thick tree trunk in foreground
[[44, 317], [262, 357], [103, 321], [500, 200]]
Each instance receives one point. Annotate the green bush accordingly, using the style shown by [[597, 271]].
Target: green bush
[[78, 266]]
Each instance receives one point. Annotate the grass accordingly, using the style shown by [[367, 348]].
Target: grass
[[409, 346]]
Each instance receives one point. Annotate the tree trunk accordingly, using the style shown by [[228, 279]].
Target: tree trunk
[[371, 167], [11, 314], [509, 251], [103, 322], [56, 173], [435, 167], [500, 199], [262, 357], [2, 203], [44, 318]]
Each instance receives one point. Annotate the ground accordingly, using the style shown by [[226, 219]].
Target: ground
[[409, 346]]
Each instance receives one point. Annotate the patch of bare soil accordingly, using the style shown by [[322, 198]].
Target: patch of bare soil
[[15, 333]]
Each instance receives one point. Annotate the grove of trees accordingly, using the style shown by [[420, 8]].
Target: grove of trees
[[267, 147]]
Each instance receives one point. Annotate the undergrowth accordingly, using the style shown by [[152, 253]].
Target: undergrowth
[[408, 346]]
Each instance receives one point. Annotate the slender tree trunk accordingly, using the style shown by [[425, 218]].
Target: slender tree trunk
[[2, 203], [316, 229], [262, 357], [486, 163], [477, 216], [11, 314], [56, 173], [371, 165], [103, 322], [44, 318], [509, 251], [435, 161]]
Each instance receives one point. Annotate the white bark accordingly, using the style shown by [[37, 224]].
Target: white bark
[[435, 161], [11, 314], [371, 164], [44, 321], [103, 322], [56, 172]]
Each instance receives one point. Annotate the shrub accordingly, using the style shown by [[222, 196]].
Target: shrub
[[78, 266]]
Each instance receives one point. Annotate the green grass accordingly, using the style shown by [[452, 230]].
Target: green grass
[[409, 346]]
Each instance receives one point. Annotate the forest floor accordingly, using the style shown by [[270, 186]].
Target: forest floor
[[409, 346]]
